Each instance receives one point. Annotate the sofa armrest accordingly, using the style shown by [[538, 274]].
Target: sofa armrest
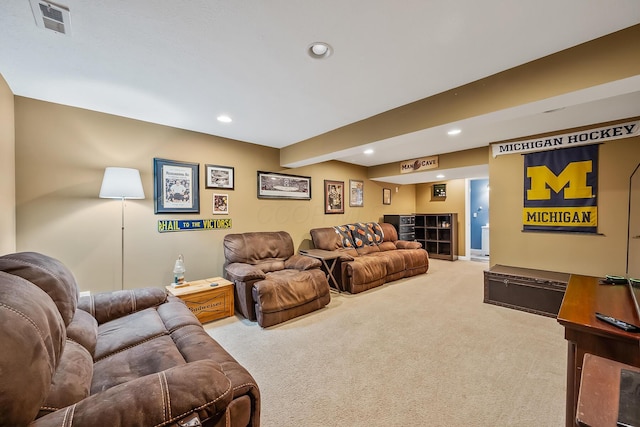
[[108, 306], [158, 399], [404, 244], [244, 272], [302, 262]]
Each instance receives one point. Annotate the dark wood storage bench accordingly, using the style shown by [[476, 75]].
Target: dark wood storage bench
[[534, 291]]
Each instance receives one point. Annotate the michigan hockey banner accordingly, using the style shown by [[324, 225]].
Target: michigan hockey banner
[[567, 140], [560, 190]]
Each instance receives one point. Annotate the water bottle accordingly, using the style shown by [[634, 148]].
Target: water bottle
[[178, 271]]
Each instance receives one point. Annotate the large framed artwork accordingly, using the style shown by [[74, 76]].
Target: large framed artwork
[[333, 197], [273, 185], [356, 193], [219, 176], [176, 186]]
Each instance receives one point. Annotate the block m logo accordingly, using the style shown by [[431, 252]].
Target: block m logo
[[573, 179]]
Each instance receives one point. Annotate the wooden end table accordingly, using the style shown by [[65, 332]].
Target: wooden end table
[[205, 301], [329, 261]]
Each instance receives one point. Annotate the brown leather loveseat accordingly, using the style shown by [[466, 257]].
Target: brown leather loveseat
[[372, 254], [125, 358], [272, 283]]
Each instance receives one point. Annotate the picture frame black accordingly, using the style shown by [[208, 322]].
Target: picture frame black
[[333, 197], [274, 185], [176, 186], [356, 193], [386, 196], [440, 190], [218, 176]]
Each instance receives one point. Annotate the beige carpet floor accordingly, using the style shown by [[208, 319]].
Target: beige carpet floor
[[423, 351]]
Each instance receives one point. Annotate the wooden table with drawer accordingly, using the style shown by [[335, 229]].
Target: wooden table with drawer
[[205, 301]]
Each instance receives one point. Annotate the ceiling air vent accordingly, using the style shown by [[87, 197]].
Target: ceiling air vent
[[51, 16]]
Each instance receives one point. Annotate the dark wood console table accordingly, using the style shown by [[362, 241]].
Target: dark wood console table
[[586, 334]]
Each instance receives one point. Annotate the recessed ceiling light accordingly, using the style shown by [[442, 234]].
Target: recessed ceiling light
[[368, 151], [224, 118], [319, 50], [454, 131], [439, 176]]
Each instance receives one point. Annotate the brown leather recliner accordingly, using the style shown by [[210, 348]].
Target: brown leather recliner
[[272, 283], [126, 358]]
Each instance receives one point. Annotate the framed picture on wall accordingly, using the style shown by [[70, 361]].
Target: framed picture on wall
[[333, 197], [439, 190], [386, 196], [220, 204], [219, 176], [176, 186], [283, 186], [356, 193]]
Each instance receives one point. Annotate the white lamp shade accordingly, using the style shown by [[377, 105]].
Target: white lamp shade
[[121, 183]]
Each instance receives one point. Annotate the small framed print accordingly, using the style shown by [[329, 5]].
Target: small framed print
[[333, 197], [439, 190], [176, 186], [386, 196], [356, 193], [219, 176], [220, 204]]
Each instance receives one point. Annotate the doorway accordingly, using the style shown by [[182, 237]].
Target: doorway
[[478, 219]]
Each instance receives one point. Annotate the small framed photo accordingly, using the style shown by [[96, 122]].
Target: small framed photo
[[176, 186], [333, 197], [386, 196], [219, 176], [221, 204], [356, 193], [439, 190], [273, 185]]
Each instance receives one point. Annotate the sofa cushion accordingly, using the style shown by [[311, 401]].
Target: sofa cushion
[[377, 231], [83, 329], [387, 246], [33, 339], [146, 357], [124, 332], [268, 265], [286, 289], [363, 234], [345, 236], [72, 380], [368, 249], [48, 274], [253, 248]]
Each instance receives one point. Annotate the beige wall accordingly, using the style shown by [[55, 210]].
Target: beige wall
[[61, 153], [7, 170], [453, 203], [596, 255]]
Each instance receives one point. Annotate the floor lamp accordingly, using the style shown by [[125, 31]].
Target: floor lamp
[[121, 183]]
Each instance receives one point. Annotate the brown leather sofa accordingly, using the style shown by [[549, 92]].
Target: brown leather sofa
[[126, 358], [372, 254], [272, 283]]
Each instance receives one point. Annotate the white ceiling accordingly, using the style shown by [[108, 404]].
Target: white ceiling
[[184, 63]]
